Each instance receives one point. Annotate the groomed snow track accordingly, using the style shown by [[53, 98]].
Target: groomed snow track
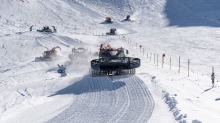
[[121, 99]]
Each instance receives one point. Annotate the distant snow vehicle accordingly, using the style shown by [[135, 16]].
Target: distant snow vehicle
[[113, 62], [108, 20], [50, 54], [79, 55], [127, 18], [47, 29], [112, 32]]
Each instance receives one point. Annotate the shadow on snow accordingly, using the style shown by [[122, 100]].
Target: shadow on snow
[[207, 90], [217, 99], [90, 84], [186, 13]]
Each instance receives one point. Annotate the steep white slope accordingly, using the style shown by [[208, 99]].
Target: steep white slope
[[192, 13], [27, 85], [18, 16]]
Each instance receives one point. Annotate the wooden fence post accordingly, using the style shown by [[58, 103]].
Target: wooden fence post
[[213, 77], [154, 58], [179, 64], [163, 59], [157, 59], [188, 67], [170, 62], [140, 48]]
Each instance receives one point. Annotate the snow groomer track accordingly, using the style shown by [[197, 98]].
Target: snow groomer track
[[107, 99]]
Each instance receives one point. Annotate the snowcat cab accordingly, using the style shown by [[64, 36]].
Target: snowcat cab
[[127, 18], [45, 29], [113, 61], [109, 20], [112, 32], [50, 54]]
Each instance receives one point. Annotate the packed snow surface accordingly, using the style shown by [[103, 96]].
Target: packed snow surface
[[172, 88]]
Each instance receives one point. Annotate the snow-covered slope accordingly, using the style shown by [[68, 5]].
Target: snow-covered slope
[[33, 91], [193, 13]]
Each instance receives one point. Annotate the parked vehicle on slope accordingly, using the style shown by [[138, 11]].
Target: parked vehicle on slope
[[113, 61], [47, 29], [112, 32], [50, 54], [108, 20], [127, 18]]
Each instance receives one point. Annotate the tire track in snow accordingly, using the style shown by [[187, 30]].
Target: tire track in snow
[[81, 103], [107, 99], [140, 102], [107, 103], [130, 102], [52, 11], [121, 106], [93, 99], [3, 47], [95, 103], [38, 43], [77, 108], [66, 115], [148, 98]]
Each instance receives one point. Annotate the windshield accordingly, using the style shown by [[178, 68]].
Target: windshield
[[113, 53], [79, 50]]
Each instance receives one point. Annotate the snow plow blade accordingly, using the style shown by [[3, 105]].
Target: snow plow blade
[[118, 66], [105, 64]]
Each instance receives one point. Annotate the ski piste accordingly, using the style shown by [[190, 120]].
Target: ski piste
[[33, 91]]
